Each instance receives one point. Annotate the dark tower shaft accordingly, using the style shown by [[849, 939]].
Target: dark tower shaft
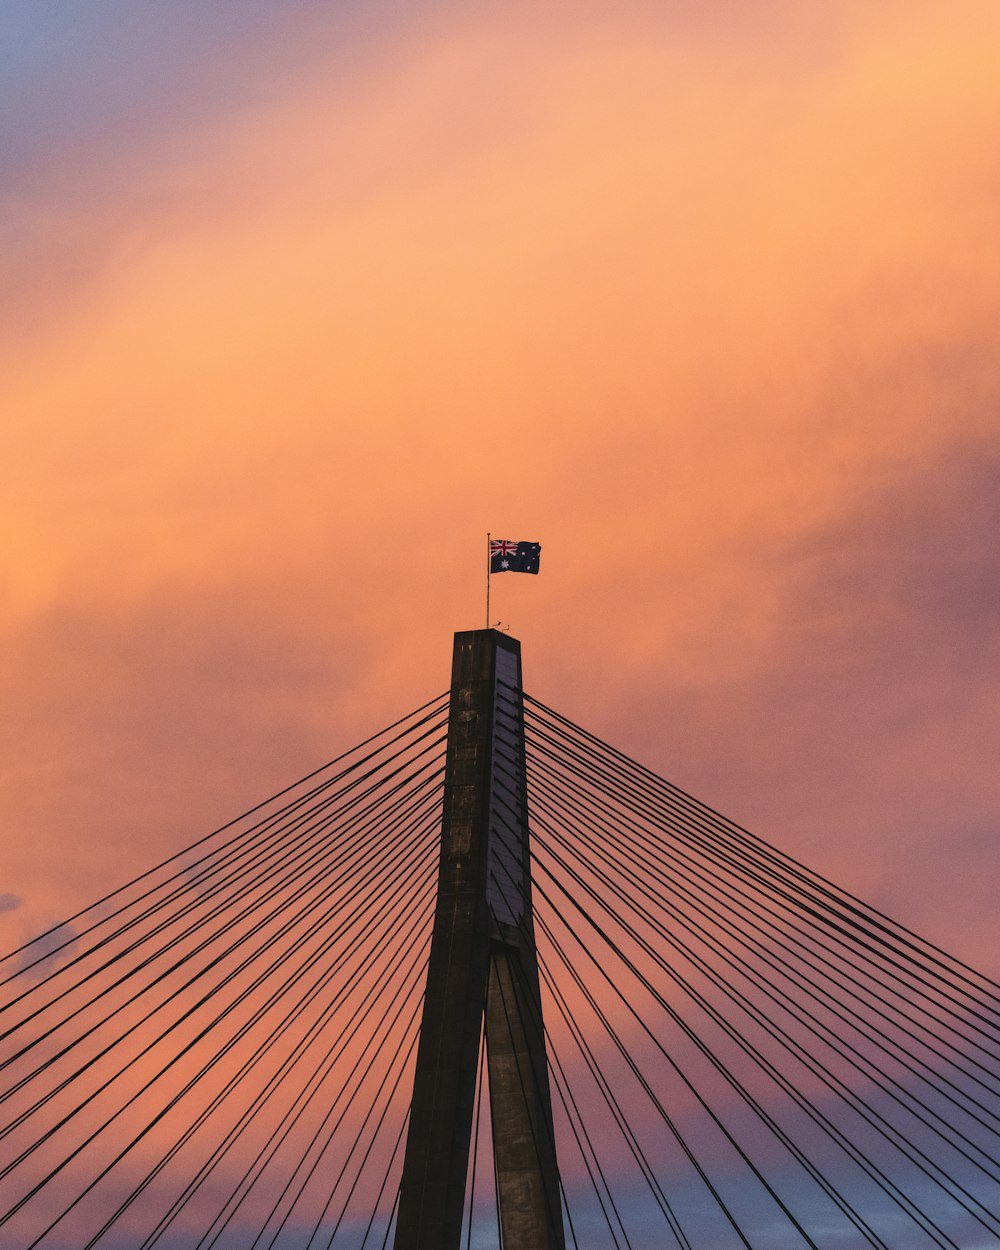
[[482, 961]]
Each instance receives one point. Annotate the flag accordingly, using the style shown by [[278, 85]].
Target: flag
[[513, 557]]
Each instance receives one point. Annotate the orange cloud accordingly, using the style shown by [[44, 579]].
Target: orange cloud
[[675, 301]]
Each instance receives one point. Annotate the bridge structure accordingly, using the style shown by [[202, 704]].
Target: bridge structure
[[485, 981]]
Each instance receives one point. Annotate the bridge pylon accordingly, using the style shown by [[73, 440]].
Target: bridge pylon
[[482, 965]]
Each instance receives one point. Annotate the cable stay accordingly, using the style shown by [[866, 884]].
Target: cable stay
[[217, 1053]]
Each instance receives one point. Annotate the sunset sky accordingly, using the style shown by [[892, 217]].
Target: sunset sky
[[299, 299]]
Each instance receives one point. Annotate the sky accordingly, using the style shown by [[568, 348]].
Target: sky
[[299, 300]]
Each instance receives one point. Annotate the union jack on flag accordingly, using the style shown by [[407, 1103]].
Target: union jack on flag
[[508, 556]]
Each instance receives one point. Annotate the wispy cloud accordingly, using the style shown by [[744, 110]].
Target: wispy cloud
[[708, 307]]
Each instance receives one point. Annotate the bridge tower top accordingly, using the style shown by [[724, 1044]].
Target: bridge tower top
[[482, 977]]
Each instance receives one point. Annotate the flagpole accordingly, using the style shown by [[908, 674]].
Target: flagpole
[[488, 571]]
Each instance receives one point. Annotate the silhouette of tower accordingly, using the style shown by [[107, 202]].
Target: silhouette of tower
[[482, 963]]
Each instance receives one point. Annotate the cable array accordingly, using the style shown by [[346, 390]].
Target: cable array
[[219, 1053], [764, 1059]]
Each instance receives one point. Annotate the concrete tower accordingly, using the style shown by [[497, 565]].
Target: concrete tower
[[482, 962]]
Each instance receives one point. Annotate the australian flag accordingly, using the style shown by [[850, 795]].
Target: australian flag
[[513, 557]]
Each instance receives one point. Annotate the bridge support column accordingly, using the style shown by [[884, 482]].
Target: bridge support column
[[482, 959]]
